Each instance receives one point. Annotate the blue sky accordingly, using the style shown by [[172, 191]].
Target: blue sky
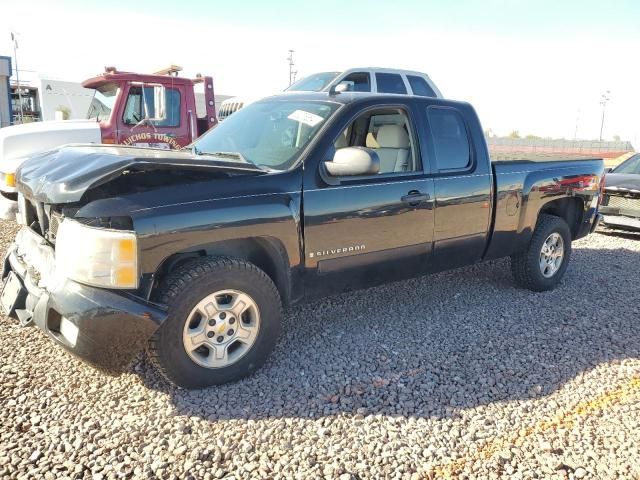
[[536, 66], [505, 17]]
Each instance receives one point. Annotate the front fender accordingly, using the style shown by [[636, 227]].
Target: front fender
[[165, 231]]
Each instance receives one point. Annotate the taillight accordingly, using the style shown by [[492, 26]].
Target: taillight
[[603, 181]]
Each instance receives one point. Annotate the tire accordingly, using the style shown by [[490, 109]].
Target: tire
[[192, 307], [526, 266]]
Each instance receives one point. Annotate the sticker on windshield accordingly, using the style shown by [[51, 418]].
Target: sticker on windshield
[[307, 118]]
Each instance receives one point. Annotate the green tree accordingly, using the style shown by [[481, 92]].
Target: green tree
[[514, 134], [66, 112]]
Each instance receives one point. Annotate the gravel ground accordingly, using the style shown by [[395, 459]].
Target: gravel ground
[[458, 375]]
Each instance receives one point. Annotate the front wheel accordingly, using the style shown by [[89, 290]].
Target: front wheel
[[223, 321], [542, 265]]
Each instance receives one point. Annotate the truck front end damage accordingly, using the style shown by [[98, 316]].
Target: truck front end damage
[[105, 327], [73, 269]]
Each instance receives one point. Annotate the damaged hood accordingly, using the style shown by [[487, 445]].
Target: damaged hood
[[626, 182], [64, 175]]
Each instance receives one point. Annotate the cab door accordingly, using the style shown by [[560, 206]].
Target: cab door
[[462, 182], [141, 125], [363, 231]]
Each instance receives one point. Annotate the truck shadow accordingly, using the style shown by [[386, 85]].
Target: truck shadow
[[433, 346], [630, 235]]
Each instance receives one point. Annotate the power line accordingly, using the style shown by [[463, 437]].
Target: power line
[[292, 73], [604, 99]]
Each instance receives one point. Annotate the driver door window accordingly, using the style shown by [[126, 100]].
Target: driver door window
[[134, 110], [358, 82], [388, 132]]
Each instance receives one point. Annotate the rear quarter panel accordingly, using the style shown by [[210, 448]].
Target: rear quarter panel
[[523, 188]]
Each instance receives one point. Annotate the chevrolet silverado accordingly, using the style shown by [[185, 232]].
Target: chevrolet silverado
[[191, 255]]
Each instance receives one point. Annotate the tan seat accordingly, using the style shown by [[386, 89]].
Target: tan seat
[[371, 141], [394, 149]]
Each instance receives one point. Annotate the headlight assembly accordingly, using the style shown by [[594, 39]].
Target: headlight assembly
[[7, 180], [97, 256]]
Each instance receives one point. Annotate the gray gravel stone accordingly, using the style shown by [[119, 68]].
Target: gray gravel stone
[[457, 375]]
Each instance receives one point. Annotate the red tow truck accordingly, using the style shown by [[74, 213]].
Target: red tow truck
[[145, 110], [157, 110]]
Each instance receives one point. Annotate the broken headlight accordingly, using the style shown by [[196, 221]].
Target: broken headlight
[[97, 256]]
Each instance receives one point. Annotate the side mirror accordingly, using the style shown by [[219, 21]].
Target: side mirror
[[155, 102], [160, 101], [352, 161], [344, 86]]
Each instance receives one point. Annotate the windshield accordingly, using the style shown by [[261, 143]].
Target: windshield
[[102, 102], [632, 165], [269, 133], [313, 83]]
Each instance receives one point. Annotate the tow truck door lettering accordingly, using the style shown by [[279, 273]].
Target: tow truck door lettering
[[174, 137]]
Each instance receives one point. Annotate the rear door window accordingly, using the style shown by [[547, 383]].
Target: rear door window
[[420, 86], [450, 140], [390, 83]]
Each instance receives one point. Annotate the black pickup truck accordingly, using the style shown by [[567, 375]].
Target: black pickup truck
[[191, 255]]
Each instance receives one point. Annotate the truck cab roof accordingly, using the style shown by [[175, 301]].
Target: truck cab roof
[[345, 98], [118, 76]]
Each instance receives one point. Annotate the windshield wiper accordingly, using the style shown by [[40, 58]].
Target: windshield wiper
[[225, 155], [236, 155]]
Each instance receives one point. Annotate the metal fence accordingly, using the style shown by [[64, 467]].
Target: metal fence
[[500, 147]]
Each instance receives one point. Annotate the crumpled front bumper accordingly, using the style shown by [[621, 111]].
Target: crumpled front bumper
[[106, 328]]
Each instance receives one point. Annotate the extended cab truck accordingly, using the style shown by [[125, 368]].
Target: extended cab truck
[[157, 110], [191, 254]]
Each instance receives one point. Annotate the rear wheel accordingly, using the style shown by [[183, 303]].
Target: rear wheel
[[223, 321], [542, 265]]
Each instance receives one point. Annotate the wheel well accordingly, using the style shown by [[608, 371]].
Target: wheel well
[[265, 253], [569, 209]]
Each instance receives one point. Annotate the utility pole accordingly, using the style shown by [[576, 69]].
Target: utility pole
[[15, 58], [292, 73], [604, 99]]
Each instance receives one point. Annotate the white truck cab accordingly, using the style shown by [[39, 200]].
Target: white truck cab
[[369, 79], [20, 141]]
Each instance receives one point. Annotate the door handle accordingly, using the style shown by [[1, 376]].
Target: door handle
[[414, 197]]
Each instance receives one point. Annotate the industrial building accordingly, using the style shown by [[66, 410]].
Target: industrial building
[[5, 92]]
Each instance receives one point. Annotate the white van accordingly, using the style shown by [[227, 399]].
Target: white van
[[370, 79]]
